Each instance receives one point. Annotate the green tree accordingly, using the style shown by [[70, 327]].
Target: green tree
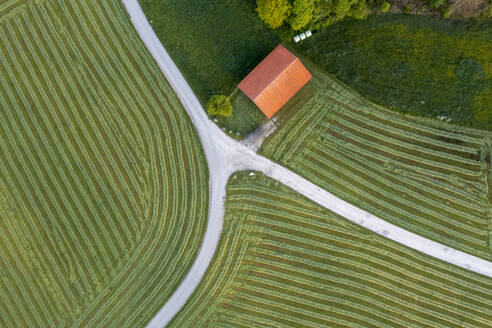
[[436, 4], [219, 105], [302, 13], [385, 7], [273, 12], [360, 10], [330, 11], [449, 10]]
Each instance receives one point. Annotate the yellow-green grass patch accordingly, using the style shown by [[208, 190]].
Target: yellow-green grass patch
[[103, 182]]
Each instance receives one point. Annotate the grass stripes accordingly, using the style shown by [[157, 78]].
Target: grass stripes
[[103, 189], [428, 177], [285, 261], [8, 8]]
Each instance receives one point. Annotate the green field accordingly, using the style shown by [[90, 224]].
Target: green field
[[421, 65], [285, 262], [215, 44], [415, 64], [103, 182], [425, 176], [245, 119]]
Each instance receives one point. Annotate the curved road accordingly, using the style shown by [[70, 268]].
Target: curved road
[[225, 156]]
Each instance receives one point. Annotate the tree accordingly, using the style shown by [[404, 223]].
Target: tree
[[343, 8], [360, 10], [302, 13], [385, 7], [273, 12], [436, 4], [219, 105], [330, 11]]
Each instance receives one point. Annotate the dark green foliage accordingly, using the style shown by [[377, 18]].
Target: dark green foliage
[[385, 7], [448, 11], [302, 14], [273, 12], [330, 11], [406, 10], [360, 10], [420, 65], [219, 105], [436, 4], [488, 12]]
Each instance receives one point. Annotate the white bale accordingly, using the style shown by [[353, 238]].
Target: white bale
[[308, 33], [303, 36], [297, 39]]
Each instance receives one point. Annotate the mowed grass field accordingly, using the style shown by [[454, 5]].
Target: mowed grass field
[[283, 261], [425, 176], [103, 183], [415, 64]]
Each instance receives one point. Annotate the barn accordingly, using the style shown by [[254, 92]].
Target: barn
[[275, 80]]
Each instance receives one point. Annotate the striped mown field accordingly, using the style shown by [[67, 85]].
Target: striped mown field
[[425, 176], [103, 182], [283, 261]]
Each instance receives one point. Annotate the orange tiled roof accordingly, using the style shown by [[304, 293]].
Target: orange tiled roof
[[275, 80]]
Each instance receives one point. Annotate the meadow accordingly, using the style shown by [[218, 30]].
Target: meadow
[[426, 176], [103, 182], [245, 119], [215, 44], [420, 65], [284, 261], [425, 66]]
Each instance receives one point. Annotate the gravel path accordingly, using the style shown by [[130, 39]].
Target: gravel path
[[255, 139], [225, 156]]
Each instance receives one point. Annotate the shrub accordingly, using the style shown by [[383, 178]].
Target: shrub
[[406, 10], [435, 4], [302, 13], [487, 13], [446, 13], [385, 7], [219, 105], [273, 12], [360, 10], [327, 12]]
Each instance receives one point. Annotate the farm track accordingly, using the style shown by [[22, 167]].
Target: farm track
[[430, 178], [96, 187], [284, 260], [103, 166], [226, 156]]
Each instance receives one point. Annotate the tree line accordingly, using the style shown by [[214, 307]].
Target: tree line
[[299, 14]]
